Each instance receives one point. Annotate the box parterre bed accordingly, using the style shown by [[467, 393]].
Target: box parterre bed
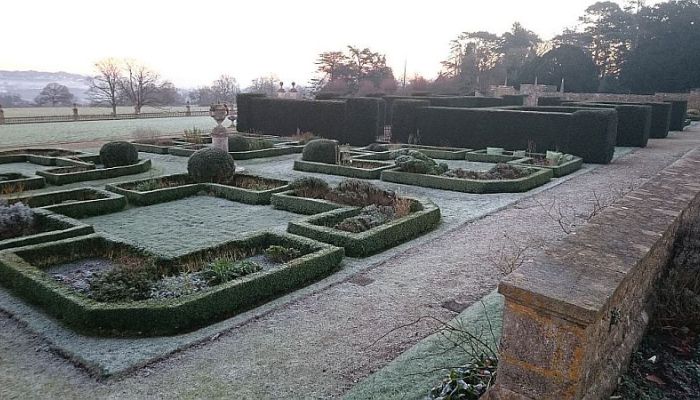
[[24, 271]]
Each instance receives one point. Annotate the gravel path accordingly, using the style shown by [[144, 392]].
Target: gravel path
[[319, 346]]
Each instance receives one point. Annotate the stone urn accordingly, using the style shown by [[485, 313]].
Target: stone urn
[[219, 137]]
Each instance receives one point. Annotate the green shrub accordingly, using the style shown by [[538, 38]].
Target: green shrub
[[15, 220], [211, 165], [124, 283], [226, 269], [310, 187], [418, 163], [281, 254], [368, 218], [322, 150], [357, 193], [238, 143], [117, 154]]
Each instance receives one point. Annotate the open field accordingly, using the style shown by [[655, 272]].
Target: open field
[[92, 131], [50, 111]]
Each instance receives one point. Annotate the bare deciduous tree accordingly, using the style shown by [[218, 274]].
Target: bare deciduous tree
[[105, 85], [140, 85], [225, 89]]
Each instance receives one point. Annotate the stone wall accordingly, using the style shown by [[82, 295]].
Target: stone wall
[[574, 314]]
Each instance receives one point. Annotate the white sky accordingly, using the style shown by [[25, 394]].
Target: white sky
[[191, 43]]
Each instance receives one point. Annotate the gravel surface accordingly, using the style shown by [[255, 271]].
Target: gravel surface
[[322, 344]]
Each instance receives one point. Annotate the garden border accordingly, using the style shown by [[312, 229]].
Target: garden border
[[24, 183], [66, 228], [158, 317], [288, 201], [165, 195], [109, 202], [477, 186], [560, 170], [343, 170], [374, 240], [95, 174]]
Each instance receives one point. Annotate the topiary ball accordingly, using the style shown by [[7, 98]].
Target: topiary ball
[[211, 165], [238, 143], [321, 150], [117, 154]]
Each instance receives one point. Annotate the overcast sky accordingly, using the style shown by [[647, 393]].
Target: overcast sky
[[193, 42]]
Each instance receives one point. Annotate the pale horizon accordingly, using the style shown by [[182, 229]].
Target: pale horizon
[[192, 44]]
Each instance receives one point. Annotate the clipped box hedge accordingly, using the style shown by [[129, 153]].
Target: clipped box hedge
[[362, 120], [344, 170], [289, 201], [559, 170], [53, 227], [539, 177], [439, 152], [75, 203], [481, 128], [157, 148], [549, 101], [589, 133], [22, 271], [243, 108], [483, 156], [281, 149], [56, 177], [660, 117], [21, 183], [40, 156], [679, 111], [404, 120], [189, 188], [374, 240], [633, 122]]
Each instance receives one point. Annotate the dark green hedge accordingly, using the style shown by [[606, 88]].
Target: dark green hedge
[[593, 134], [342, 170], [660, 117], [514, 99], [549, 101], [560, 170], [481, 128], [362, 120], [288, 201], [244, 110], [75, 203], [191, 188], [679, 110], [539, 177], [57, 178], [22, 184], [323, 118], [366, 243], [160, 317], [633, 122], [54, 227], [404, 122]]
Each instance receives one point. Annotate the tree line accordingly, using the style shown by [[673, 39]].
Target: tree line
[[634, 48]]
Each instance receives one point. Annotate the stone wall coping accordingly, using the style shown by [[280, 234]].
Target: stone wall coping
[[577, 279]]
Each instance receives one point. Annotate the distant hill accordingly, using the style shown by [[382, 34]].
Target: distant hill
[[28, 84]]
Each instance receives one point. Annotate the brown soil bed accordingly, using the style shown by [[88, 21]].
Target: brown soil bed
[[499, 172]]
